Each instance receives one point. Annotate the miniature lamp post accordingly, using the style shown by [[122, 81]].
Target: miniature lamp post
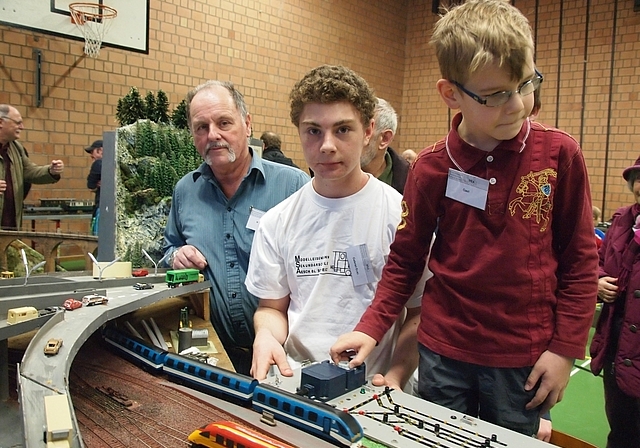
[[100, 269], [155, 265], [27, 271]]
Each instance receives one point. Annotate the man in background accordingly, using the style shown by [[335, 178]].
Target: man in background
[[93, 181], [272, 151], [378, 158], [216, 208], [16, 168]]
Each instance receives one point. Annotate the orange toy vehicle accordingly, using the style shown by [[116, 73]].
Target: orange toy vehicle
[[224, 434]]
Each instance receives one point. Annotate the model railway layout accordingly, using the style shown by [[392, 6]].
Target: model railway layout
[[389, 417], [341, 412]]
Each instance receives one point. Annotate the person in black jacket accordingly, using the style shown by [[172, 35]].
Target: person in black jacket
[[272, 151], [93, 181]]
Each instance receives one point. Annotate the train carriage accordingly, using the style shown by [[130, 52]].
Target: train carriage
[[135, 349], [311, 416], [210, 379], [225, 434], [177, 277]]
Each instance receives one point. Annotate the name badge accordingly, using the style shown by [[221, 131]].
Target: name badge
[[468, 189], [360, 265], [254, 218]]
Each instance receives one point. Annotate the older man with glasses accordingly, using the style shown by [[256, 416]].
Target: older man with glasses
[[16, 169]]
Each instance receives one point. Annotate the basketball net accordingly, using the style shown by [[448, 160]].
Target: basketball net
[[93, 20]]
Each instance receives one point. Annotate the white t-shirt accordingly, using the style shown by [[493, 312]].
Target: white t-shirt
[[299, 250]]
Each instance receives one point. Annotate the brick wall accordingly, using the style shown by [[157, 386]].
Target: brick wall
[[265, 46]]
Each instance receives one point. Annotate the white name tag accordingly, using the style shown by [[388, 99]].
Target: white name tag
[[360, 265], [468, 189], [254, 218]]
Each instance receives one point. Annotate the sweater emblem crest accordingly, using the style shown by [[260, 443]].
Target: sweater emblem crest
[[534, 201]]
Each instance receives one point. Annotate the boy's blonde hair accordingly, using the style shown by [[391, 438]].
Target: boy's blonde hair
[[480, 32]]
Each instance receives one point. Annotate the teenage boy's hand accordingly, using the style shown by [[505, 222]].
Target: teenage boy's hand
[[552, 371], [267, 351]]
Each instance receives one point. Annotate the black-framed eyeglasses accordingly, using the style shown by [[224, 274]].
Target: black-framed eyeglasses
[[499, 98], [19, 123]]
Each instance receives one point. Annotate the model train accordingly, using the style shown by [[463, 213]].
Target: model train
[[224, 434], [178, 277], [308, 415]]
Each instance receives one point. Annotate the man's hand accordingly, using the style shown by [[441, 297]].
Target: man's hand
[[188, 257], [3, 186], [552, 371], [267, 351], [355, 342], [56, 167]]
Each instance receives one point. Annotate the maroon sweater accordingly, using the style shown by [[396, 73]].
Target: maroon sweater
[[510, 281]]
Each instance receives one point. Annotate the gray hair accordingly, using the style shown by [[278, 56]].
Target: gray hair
[[385, 117], [238, 99]]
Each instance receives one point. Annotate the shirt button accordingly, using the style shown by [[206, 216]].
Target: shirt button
[[489, 158], [228, 235], [228, 209], [636, 293], [627, 362], [233, 295], [633, 328], [492, 181], [232, 264]]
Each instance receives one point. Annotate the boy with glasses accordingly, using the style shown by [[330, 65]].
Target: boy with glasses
[[510, 303]]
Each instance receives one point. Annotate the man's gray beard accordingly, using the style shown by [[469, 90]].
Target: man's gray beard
[[367, 156], [231, 155]]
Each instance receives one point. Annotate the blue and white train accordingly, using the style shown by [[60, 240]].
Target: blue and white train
[[308, 415]]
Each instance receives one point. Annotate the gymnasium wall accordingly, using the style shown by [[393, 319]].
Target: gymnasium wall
[[587, 50]]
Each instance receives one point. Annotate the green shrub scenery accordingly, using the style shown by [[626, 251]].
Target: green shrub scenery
[[132, 108], [152, 158], [154, 151]]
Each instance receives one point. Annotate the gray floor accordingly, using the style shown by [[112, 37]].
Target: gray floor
[[11, 435]]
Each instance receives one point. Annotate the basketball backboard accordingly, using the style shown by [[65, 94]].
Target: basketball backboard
[[129, 30]]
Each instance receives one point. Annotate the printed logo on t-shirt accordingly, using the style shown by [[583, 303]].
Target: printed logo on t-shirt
[[535, 197], [334, 264]]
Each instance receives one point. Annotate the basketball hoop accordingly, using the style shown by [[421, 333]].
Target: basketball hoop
[[93, 20]]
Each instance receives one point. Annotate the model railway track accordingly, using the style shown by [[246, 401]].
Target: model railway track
[[93, 434], [138, 428], [160, 416], [141, 381]]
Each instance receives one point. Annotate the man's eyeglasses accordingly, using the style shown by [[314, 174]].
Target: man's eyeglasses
[[499, 98], [19, 123]]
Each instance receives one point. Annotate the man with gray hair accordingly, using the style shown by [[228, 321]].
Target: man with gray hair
[[378, 158], [16, 169], [215, 210]]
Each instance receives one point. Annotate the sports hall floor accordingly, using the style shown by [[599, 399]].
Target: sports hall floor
[[581, 412]]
